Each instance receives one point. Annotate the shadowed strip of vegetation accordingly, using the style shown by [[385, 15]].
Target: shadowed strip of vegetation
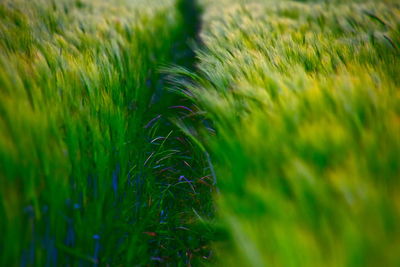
[[92, 171]]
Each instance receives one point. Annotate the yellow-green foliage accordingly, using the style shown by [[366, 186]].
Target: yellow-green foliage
[[304, 97], [75, 88]]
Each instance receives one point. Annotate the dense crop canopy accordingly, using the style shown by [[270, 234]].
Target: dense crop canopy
[[304, 97]]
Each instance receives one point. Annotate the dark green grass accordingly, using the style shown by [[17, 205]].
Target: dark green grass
[[92, 170]]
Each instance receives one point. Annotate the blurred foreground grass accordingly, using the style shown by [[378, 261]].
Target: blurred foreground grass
[[304, 98]]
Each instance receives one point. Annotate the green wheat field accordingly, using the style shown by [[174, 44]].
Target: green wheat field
[[200, 133]]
